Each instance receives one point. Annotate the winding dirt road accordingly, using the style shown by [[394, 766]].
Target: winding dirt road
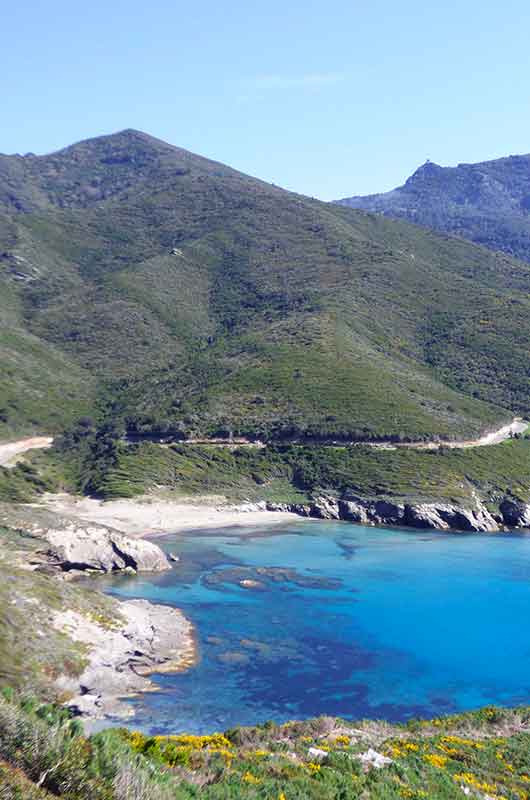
[[11, 452]]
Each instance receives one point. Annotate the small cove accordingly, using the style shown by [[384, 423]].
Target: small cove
[[339, 619]]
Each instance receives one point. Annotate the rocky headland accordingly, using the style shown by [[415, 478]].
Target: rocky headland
[[122, 653], [112, 647], [478, 517]]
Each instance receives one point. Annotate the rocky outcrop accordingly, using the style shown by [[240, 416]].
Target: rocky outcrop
[[102, 550], [450, 517], [293, 508], [247, 508], [122, 652], [515, 513], [373, 511], [325, 508]]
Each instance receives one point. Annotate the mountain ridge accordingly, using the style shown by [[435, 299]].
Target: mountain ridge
[[183, 295], [487, 202]]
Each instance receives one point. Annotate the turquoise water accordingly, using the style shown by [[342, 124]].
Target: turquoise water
[[349, 621]]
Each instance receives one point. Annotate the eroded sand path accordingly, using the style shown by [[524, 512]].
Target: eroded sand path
[[10, 452]]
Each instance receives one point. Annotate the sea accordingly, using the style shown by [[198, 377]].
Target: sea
[[328, 618]]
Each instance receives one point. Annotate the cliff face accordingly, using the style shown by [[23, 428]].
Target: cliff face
[[436, 515]]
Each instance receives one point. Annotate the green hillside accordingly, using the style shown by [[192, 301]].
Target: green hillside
[[487, 203], [142, 280], [482, 754]]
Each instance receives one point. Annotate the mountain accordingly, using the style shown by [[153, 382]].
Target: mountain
[[487, 203], [145, 282]]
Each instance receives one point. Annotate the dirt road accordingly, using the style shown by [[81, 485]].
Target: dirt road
[[10, 452]]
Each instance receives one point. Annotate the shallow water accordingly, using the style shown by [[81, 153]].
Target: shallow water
[[365, 622]]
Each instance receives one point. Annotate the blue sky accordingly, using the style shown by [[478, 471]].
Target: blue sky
[[328, 99]]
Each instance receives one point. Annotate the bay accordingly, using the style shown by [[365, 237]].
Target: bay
[[331, 618]]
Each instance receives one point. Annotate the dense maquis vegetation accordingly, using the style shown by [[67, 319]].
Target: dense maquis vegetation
[[140, 279], [98, 461], [487, 203], [44, 754]]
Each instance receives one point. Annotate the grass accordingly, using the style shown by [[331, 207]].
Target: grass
[[32, 652], [485, 753], [285, 474]]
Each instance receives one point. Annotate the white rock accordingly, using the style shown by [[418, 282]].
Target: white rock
[[101, 549], [316, 752], [374, 759]]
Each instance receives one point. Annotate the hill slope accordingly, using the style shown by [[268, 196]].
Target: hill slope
[[184, 295], [487, 203]]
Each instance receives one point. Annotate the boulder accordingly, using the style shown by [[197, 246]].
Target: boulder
[[353, 511], [325, 508], [317, 754], [445, 516], [515, 513], [424, 515], [300, 509], [277, 506], [374, 759], [390, 513], [102, 550]]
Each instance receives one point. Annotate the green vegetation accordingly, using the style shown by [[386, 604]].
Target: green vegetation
[[44, 754], [282, 473], [33, 654], [487, 203], [22, 483], [143, 282]]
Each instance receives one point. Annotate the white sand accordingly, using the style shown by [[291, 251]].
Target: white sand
[[146, 516]]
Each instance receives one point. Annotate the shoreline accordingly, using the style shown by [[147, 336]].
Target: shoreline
[[151, 638], [149, 516], [148, 639]]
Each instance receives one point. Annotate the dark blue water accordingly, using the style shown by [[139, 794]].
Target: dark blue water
[[359, 622]]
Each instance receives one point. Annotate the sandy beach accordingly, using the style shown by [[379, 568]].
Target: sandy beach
[[149, 516]]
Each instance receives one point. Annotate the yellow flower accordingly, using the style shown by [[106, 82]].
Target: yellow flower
[[312, 767], [436, 760], [461, 741], [219, 751], [470, 780], [248, 777]]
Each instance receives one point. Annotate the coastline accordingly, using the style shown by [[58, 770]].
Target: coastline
[[151, 516], [121, 654], [146, 638]]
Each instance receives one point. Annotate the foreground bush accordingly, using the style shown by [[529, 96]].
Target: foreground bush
[[484, 754]]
